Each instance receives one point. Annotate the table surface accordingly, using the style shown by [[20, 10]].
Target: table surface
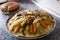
[[5, 35]]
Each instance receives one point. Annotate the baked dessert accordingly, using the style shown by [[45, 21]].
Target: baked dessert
[[30, 23], [9, 6]]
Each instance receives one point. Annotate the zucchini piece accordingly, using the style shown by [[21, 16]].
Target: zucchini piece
[[16, 23]]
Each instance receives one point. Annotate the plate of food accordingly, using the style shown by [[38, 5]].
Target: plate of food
[[10, 7], [31, 24]]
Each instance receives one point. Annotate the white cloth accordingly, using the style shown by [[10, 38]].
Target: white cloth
[[1, 1], [53, 5]]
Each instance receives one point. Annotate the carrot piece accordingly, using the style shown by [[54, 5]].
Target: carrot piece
[[43, 24], [49, 21], [17, 28], [33, 28]]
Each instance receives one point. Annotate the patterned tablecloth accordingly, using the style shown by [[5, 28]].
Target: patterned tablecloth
[[5, 35]]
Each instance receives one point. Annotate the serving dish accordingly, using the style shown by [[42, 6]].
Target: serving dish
[[24, 37]]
